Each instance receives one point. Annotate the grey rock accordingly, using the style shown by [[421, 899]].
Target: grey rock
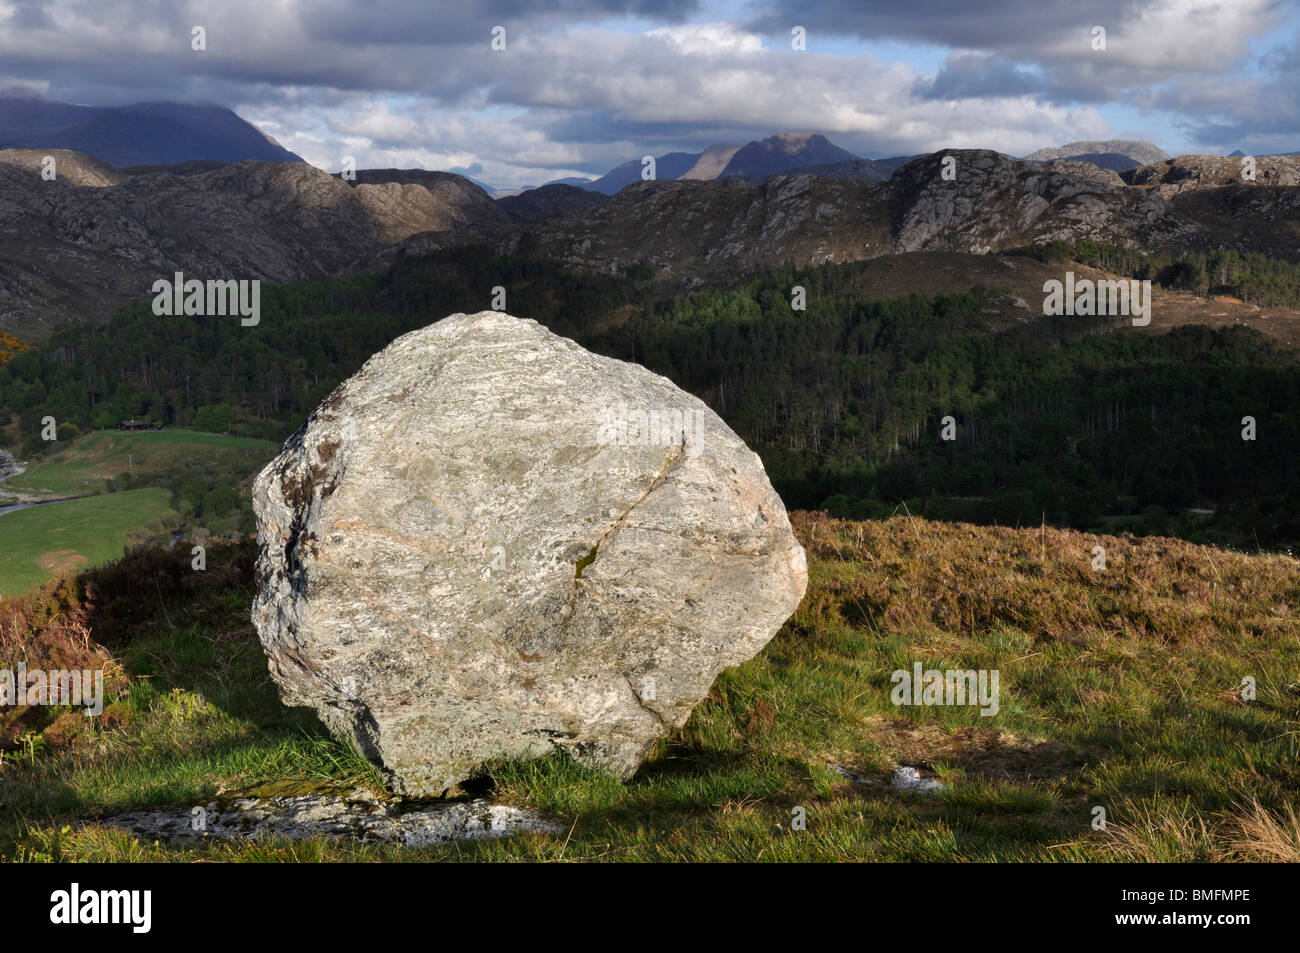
[[357, 818], [904, 779], [464, 556], [909, 779], [8, 466]]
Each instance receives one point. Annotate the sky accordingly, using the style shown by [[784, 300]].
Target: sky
[[582, 85]]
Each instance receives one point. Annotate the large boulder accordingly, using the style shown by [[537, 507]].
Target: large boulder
[[491, 543]]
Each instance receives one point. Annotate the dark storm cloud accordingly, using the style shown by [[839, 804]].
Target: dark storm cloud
[[458, 21], [109, 52], [967, 75], [1147, 41], [987, 25], [31, 15]]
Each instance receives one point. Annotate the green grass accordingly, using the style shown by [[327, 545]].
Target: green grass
[[39, 543], [1118, 690], [87, 464]]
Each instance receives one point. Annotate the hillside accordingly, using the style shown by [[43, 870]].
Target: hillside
[[1119, 689], [711, 162], [403, 202], [69, 251], [671, 165], [548, 201], [1176, 176], [74, 167], [697, 231]]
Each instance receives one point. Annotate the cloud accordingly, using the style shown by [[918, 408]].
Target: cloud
[[599, 97], [967, 75], [586, 84], [1146, 43]]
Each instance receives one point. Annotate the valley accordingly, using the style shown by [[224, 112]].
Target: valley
[[107, 490]]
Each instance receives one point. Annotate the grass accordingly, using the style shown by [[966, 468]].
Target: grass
[[87, 464], [1118, 689], [39, 543]]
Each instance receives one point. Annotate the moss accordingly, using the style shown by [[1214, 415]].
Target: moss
[[586, 561]]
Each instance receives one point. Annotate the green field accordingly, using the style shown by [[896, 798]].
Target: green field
[[43, 541], [87, 464]]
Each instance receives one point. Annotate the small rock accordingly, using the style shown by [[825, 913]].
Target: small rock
[[909, 779]]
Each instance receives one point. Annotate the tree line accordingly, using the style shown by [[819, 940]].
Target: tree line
[[845, 400]]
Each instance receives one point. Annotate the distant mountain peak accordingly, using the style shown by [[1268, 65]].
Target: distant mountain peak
[[140, 134], [778, 153], [783, 152]]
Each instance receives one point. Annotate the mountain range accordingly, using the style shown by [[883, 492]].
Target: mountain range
[[97, 236], [811, 152], [761, 158]]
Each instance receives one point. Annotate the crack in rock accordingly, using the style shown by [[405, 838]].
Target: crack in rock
[[659, 479]]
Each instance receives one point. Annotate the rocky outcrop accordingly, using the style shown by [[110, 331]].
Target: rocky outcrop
[[404, 202], [694, 230], [994, 201], [868, 170], [1191, 173], [492, 543], [73, 167], [990, 202], [1087, 170]]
